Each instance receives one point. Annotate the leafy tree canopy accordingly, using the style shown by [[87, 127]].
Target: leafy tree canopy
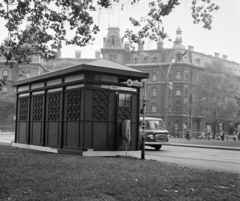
[[215, 94], [48, 19]]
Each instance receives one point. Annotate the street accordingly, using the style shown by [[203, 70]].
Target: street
[[221, 160]]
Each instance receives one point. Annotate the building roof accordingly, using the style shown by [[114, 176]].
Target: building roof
[[98, 66]]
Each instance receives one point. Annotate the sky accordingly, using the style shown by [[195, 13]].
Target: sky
[[223, 38]]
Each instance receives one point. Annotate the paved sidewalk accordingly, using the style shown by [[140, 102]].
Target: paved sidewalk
[[204, 146]]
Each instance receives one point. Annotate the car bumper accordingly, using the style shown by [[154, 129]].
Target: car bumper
[[157, 143]]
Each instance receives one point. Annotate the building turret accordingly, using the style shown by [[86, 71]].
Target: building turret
[[178, 40], [113, 45]]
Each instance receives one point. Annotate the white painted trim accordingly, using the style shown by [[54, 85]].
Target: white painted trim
[[22, 95], [75, 86], [56, 89]]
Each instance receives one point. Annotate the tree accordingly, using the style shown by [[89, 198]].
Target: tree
[[48, 19], [7, 109], [3, 82], [215, 95]]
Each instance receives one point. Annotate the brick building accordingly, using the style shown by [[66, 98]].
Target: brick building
[[183, 74]]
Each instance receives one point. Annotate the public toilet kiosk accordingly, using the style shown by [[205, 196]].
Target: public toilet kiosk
[[80, 108]]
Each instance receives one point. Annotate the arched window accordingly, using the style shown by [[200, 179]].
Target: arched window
[[113, 40], [154, 77], [178, 75], [178, 106]]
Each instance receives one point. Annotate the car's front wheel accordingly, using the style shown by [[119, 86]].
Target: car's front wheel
[[157, 147]]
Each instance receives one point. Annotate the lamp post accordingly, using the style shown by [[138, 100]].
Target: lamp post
[[167, 83]]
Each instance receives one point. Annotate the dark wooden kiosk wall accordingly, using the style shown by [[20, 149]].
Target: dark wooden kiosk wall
[[79, 108]]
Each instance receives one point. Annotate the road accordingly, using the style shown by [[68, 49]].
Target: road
[[6, 138], [221, 160]]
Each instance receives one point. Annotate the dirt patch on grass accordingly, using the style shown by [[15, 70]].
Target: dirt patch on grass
[[33, 175]]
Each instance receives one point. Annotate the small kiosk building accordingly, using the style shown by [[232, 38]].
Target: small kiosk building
[[79, 108]]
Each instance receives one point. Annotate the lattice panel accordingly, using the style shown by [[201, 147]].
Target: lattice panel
[[37, 108], [100, 105], [23, 110], [73, 104], [54, 107], [124, 113]]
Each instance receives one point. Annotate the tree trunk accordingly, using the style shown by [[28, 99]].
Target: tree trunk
[[214, 129]]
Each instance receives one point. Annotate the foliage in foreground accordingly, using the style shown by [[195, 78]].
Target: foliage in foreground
[[32, 175], [51, 22]]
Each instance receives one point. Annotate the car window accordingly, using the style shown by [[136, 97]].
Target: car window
[[155, 124]]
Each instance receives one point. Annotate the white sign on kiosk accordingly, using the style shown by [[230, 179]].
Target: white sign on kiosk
[[134, 83]]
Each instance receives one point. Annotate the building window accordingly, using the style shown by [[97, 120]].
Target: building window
[[154, 58], [113, 57], [186, 75], [178, 92], [178, 75], [178, 106], [5, 74], [135, 59], [154, 92], [170, 76], [154, 107], [154, 77], [186, 91], [145, 59], [113, 40], [169, 107], [198, 77], [28, 74]]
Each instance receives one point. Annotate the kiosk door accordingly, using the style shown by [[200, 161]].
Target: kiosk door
[[127, 109]]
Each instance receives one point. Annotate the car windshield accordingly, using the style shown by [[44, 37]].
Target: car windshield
[[155, 124]]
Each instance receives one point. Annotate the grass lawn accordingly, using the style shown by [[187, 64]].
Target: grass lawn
[[32, 175], [226, 143]]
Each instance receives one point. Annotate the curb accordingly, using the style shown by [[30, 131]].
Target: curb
[[204, 146]]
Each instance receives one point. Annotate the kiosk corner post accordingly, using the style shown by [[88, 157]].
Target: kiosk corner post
[[143, 123]]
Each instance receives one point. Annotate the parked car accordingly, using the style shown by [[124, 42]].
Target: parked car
[[156, 134]]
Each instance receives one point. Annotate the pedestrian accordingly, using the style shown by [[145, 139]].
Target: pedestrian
[[238, 136], [227, 135], [188, 135], [222, 134]]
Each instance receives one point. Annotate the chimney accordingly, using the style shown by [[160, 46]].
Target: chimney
[[224, 57], [58, 54], [77, 54], [160, 44], [190, 48], [216, 55], [126, 45], [140, 46], [97, 54]]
